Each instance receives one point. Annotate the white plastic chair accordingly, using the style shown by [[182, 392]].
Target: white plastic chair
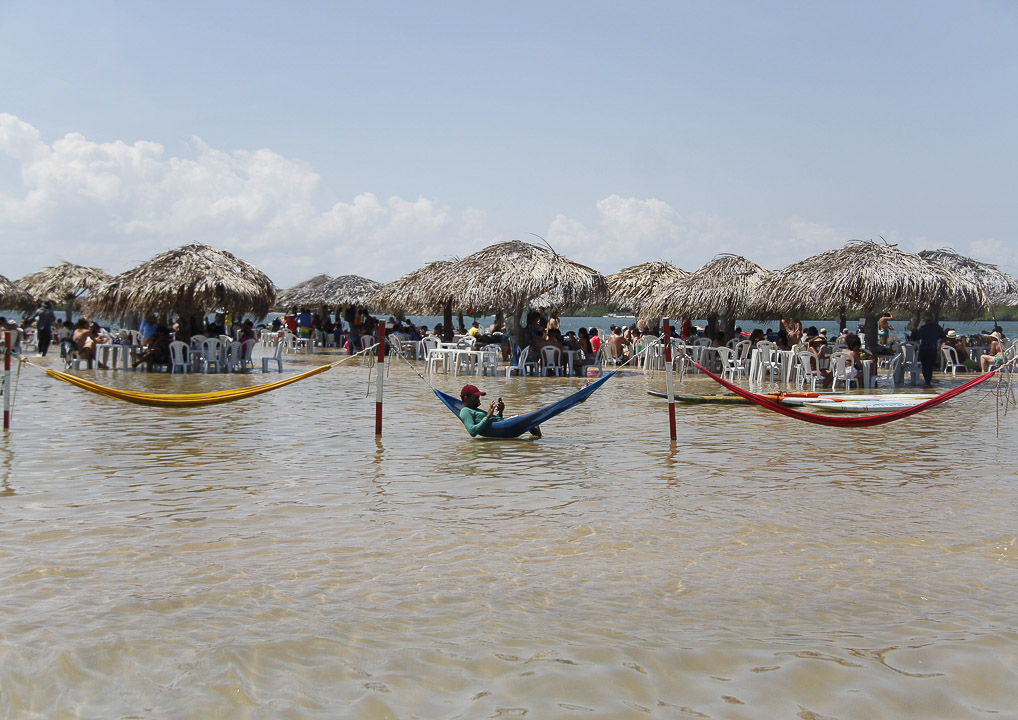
[[951, 360], [743, 350], [490, 356], [524, 365], [892, 371], [551, 359], [843, 370], [180, 357], [275, 357], [806, 369], [910, 361], [211, 354], [729, 368], [767, 364], [234, 361]]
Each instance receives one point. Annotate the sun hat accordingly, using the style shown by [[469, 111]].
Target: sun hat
[[469, 390], [996, 334], [952, 335]]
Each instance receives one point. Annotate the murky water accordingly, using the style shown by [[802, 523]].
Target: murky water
[[270, 559]]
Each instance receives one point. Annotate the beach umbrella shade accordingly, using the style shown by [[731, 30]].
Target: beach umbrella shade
[[1000, 288], [309, 292], [191, 280], [723, 288], [65, 283], [13, 297], [631, 287], [868, 277], [509, 276], [349, 290], [420, 292]]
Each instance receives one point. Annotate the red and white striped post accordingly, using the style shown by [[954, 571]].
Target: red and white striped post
[[8, 340], [669, 381], [380, 371]]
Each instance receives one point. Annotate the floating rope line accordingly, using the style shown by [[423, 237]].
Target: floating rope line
[[190, 399]]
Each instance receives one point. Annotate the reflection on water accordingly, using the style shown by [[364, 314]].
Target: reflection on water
[[273, 558]]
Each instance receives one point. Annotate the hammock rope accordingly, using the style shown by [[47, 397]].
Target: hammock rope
[[190, 399], [858, 421]]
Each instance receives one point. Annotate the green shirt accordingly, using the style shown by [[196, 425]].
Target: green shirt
[[476, 421]]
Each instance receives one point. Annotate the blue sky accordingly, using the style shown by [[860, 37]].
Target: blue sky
[[371, 138]]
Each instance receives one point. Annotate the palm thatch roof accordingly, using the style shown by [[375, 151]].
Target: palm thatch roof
[[724, 287], [1000, 288], [309, 292], [514, 273], [417, 293], [631, 287], [64, 282], [349, 290], [866, 276], [189, 280], [12, 297]]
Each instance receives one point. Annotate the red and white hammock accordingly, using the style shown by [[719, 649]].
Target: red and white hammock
[[856, 421]]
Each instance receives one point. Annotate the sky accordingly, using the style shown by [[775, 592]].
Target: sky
[[370, 138]]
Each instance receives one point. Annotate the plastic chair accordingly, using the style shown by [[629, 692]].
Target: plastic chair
[[211, 351], [523, 364], [490, 356], [180, 357], [910, 361], [892, 371], [234, 360], [275, 357], [951, 360], [743, 350], [807, 369], [843, 370], [767, 364], [729, 367], [551, 359]]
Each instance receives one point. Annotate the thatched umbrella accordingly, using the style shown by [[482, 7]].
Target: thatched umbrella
[[868, 277], [510, 275], [310, 292], [65, 283], [1000, 288], [631, 287], [12, 297], [420, 292], [190, 280], [349, 290], [723, 288]]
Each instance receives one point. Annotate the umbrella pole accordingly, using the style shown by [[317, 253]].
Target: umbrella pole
[[669, 380], [379, 372]]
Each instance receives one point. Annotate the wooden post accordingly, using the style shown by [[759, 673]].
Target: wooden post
[[8, 339], [669, 380], [380, 371]]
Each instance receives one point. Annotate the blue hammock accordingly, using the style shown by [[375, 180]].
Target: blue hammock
[[516, 425]]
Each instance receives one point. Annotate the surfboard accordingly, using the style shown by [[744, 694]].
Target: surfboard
[[864, 406]]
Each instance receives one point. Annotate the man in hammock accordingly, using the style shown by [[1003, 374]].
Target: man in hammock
[[477, 421]]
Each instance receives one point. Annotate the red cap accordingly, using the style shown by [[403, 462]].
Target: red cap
[[470, 390]]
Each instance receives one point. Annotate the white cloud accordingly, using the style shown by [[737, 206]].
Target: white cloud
[[116, 204]]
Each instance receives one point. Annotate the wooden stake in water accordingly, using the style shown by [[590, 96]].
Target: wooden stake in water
[[669, 380], [380, 371], [8, 339]]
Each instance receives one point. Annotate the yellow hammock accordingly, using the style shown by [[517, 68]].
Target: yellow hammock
[[189, 399]]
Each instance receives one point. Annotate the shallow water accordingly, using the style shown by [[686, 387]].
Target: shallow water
[[271, 559]]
